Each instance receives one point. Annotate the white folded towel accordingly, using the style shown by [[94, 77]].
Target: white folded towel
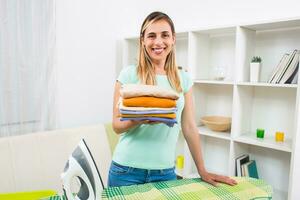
[[137, 90]]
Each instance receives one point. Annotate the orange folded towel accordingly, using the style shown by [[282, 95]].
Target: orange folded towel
[[170, 115], [149, 102]]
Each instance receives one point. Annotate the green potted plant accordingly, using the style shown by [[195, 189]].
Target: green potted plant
[[255, 66]]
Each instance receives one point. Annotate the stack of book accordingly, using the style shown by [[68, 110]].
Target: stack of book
[[245, 166], [287, 69]]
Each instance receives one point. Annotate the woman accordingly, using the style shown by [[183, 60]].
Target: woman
[[146, 150]]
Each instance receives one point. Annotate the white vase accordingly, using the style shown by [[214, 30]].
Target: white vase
[[255, 72]]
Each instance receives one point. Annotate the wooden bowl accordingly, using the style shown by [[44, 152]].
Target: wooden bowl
[[217, 123]]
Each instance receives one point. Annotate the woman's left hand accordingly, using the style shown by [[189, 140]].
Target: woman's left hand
[[214, 179]]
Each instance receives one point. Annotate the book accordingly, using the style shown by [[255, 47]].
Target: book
[[250, 169], [239, 162], [282, 65], [285, 67], [276, 69], [295, 79], [243, 170], [291, 70]]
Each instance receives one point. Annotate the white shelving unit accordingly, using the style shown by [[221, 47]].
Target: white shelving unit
[[273, 107]]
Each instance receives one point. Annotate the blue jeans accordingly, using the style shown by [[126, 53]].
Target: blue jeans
[[120, 175]]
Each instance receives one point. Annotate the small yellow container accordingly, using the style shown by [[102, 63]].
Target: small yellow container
[[180, 162], [279, 136]]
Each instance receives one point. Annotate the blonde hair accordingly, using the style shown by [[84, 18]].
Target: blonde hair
[[145, 69]]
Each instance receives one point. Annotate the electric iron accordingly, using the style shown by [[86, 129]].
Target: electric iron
[[81, 165]]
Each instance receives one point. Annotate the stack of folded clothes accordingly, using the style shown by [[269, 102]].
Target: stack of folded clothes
[[148, 102]]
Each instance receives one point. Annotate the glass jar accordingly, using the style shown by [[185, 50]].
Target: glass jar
[[219, 73]]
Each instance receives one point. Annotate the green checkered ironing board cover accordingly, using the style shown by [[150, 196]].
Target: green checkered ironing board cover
[[189, 189], [192, 189]]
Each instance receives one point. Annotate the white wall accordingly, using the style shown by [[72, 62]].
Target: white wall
[[85, 63], [88, 32], [192, 14]]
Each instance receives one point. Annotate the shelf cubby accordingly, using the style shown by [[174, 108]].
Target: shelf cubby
[[182, 49], [217, 150], [273, 166], [211, 99], [212, 48], [130, 51], [268, 108], [270, 42]]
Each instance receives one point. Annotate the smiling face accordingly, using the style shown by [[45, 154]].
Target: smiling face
[[158, 40]]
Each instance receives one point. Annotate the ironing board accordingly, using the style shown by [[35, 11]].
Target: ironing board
[[190, 189]]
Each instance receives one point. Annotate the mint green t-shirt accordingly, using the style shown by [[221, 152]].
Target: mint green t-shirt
[[151, 146]]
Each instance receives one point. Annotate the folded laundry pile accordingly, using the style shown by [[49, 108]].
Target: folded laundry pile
[[148, 102]]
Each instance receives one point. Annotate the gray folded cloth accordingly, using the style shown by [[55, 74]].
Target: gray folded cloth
[[139, 112], [167, 121]]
